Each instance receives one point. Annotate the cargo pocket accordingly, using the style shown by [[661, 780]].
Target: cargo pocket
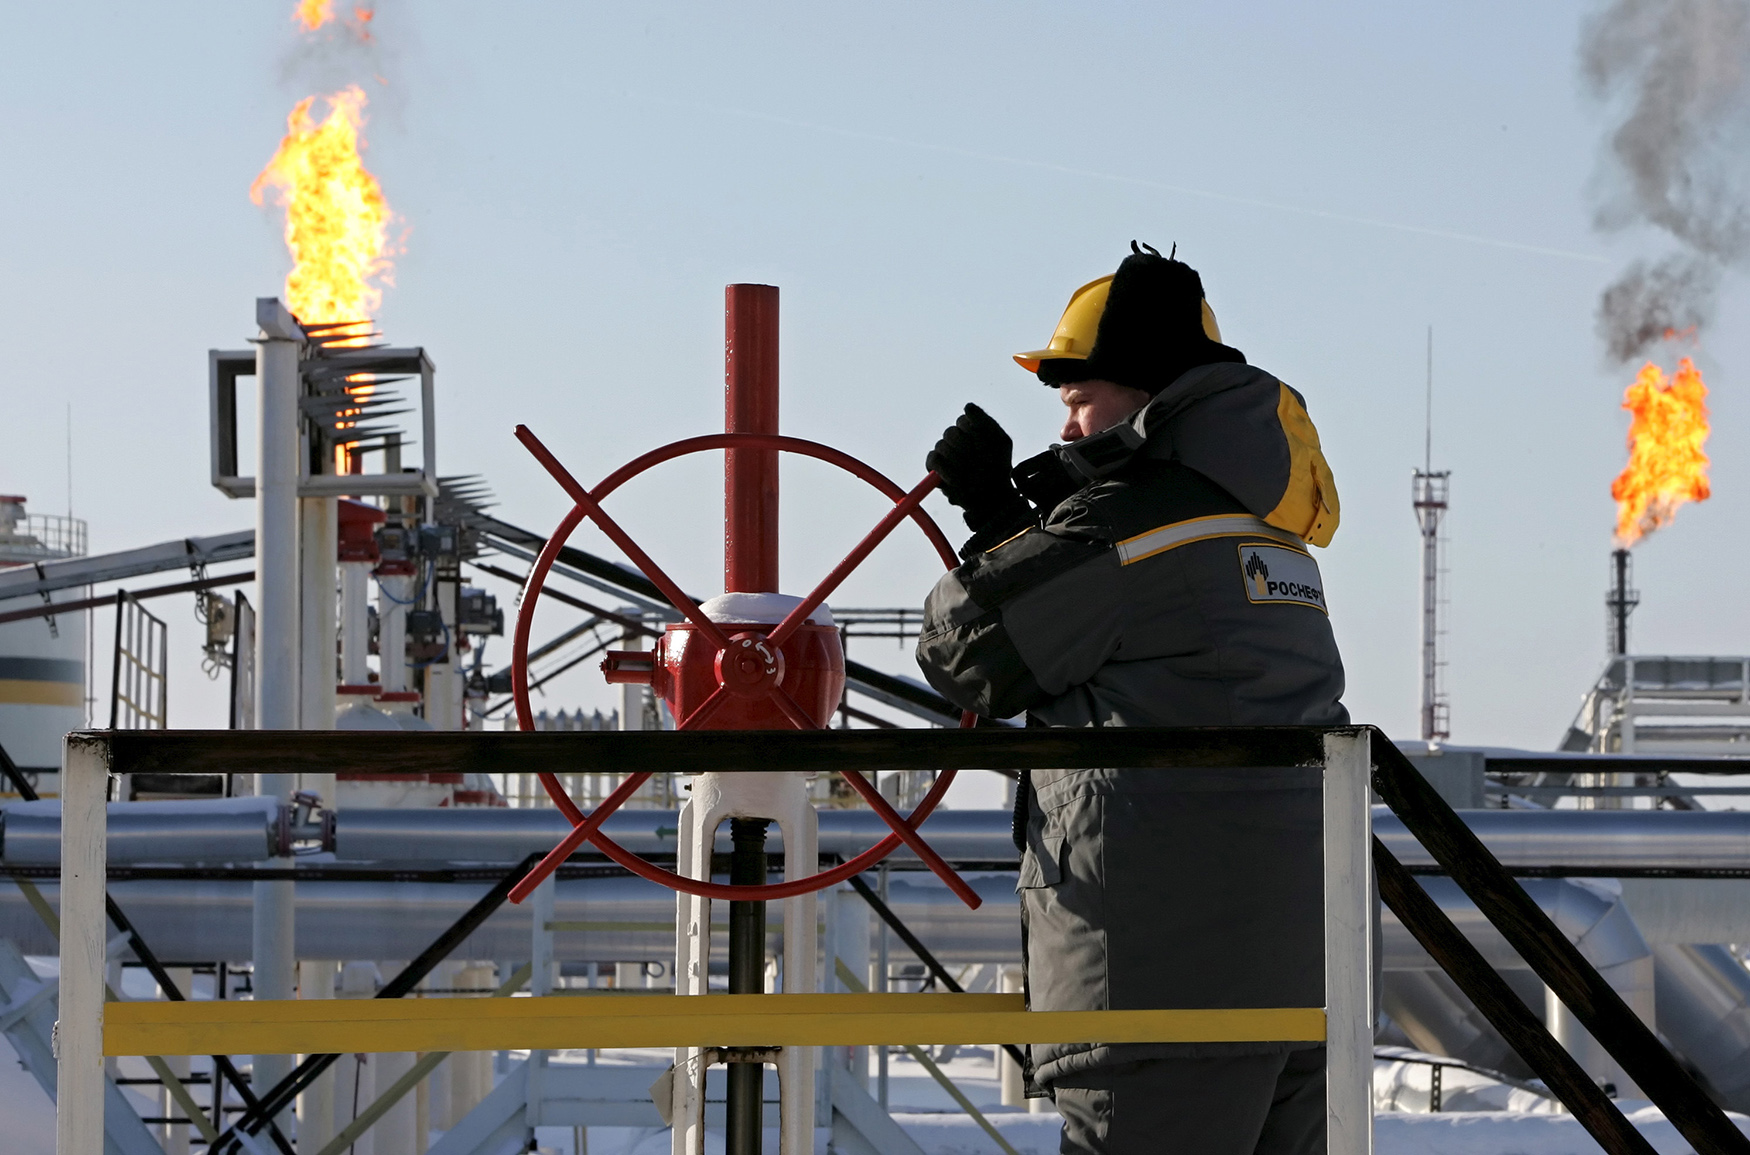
[[1041, 865]]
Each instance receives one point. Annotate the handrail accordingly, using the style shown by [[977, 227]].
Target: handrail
[[697, 751], [569, 1022], [1556, 961], [1453, 845]]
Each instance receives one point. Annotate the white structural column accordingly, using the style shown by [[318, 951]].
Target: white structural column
[[319, 538], [541, 975], [79, 1031], [400, 1130], [318, 530], [276, 518], [355, 622], [1349, 1015], [783, 798], [174, 1136], [444, 679], [394, 591], [1010, 1080], [278, 633], [316, 1103]]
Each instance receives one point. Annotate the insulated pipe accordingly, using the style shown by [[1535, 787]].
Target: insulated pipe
[[1704, 1009], [1594, 918], [510, 834], [1608, 840], [602, 919], [750, 476], [226, 830], [223, 830], [355, 622]]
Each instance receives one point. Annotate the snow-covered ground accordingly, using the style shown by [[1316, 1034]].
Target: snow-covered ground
[[927, 1113], [1396, 1133]]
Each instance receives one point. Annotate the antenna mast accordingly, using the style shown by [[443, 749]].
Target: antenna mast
[[1428, 495]]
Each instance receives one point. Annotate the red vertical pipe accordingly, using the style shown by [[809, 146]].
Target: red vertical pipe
[[750, 405]]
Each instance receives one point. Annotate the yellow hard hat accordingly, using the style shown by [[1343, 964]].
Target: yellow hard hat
[[1074, 338]]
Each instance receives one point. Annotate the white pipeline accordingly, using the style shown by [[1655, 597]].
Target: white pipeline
[[394, 592], [355, 622], [276, 518]]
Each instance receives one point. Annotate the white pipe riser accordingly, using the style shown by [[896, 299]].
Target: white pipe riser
[[276, 535]]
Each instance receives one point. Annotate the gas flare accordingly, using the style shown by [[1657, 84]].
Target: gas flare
[[313, 14], [1666, 465], [337, 222]]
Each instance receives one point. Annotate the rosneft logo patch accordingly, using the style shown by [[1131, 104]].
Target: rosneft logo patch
[[1274, 573]]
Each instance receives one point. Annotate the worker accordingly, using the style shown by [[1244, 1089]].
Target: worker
[[1153, 570]]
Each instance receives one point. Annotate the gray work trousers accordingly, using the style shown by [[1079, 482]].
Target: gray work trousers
[[1239, 1105]]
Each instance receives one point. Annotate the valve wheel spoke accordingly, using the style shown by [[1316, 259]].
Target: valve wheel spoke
[[791, 710], [703, 711], [872, 795], [621, 538], [579, 833], [902, 510]]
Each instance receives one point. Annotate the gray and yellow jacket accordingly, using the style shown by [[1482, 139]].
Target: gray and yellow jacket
[[1176, 591]]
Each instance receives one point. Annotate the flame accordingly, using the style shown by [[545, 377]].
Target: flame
[[337, 221], [1666, 465], [313, 14]]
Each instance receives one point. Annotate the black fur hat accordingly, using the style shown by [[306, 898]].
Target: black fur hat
[[1151, 330]]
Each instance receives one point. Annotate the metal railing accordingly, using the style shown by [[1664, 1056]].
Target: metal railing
[[1352, 758], [139, 677], [44, 537]]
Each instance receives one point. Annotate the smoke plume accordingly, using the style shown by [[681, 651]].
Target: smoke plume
[[1675, 77], [1652, 301]]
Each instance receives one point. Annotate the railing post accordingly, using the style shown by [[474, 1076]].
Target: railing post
[[79, 1031], [1348, 944]]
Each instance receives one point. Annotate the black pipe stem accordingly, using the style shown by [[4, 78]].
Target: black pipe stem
[[747, 976]]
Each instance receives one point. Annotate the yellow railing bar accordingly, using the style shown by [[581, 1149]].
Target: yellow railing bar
[[551, 1023]]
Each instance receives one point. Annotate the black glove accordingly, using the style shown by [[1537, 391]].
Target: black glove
[[1044, 480], [972, 459]]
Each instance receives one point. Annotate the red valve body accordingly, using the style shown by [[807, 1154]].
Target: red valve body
[[810, 666]]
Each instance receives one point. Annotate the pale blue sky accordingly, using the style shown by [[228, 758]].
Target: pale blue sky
[[927, 183]]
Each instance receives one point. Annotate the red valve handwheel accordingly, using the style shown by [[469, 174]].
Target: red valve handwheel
[[588, 504]]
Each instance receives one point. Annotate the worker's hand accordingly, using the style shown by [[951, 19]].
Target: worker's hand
[[972, 459]]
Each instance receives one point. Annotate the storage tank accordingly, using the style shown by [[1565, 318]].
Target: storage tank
[[42, 660]]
